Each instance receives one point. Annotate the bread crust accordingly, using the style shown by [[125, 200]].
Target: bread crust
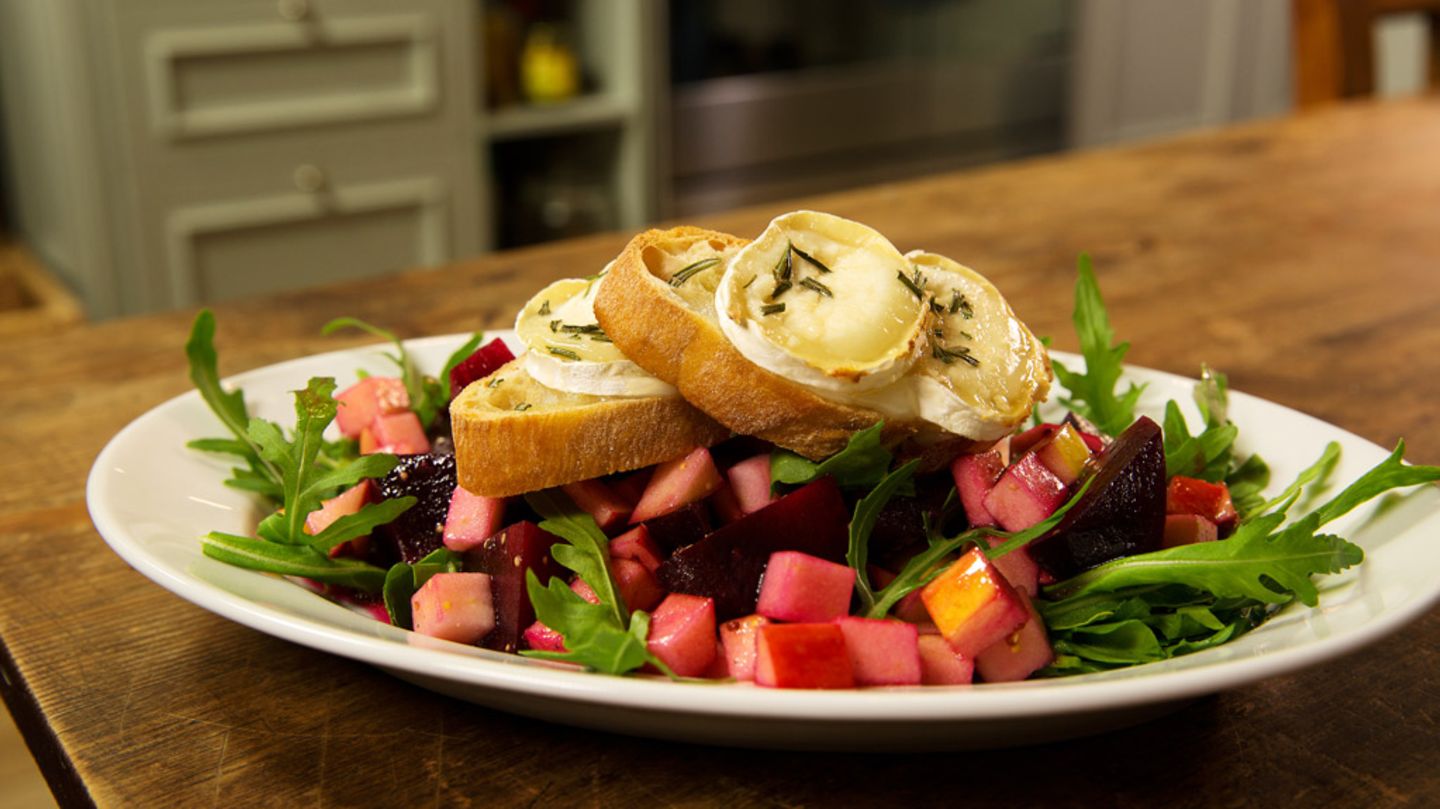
[[563, 437], [655, 328]]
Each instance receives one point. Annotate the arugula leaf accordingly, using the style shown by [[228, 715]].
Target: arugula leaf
[[427, 394], [867, 510], [587, 553], [460, 355], [228, 406], [292, 560], [1092, 393], [1205, 456], [860, 465], [1391, 473], [1247, 483], [1317, 472], [361, 522]]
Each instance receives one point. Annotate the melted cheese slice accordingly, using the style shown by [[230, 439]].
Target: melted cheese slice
[[842, 324], [566, 350]]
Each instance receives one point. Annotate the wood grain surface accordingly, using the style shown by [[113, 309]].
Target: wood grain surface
[[1302, 256]]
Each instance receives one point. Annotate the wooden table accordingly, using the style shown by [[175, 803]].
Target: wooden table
[[1302, 256]]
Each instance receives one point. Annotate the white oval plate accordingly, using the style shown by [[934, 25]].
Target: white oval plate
[[152, 499]]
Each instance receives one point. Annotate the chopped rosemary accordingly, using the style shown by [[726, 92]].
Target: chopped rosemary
[[811, 283], [959, 303], [967, 335], [563, 352], [772, 308], [588, 328], [935, 307], [783, 268], [748, 283], [523, 406], [544, 307], [810, 258], [914, 287], [495, 382], [780, 289], [684, 273], [601, 338], [554, 325], [949, 355]]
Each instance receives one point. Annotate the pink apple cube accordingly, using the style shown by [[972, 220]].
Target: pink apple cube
[[454, 606], [609, 509], [399, 433], [1026, 494], [542, 638], [802, 656], [341, 505], [682, 633], [881, 652], [737, 638], [472, 519], [1019, 654], [802, 588], [750, 480], [973, 605], [1018, 567], [941, 665], [1180, 529], [678, 483], [636, 544], [638, 587], [1065, 454], [975, 475], [359, 404]]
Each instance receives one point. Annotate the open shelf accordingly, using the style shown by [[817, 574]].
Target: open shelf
[[577, 115]]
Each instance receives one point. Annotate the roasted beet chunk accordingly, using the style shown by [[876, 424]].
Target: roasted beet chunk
[[727, 564], [430, 478], [684, 526], [1122, 513], [506, 556]]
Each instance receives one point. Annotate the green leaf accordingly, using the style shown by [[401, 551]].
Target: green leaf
[[1391, 473], [592, 638], [860, 465], [361, 522], [440, 560], [343, 477], [398, 589], [314, 410], [1092, 393], [588, 551], [1317, 473], [867, 510], [427, 396], [1247, 483], [1123, 642], [1205, 456], [228, 406], [292, 560], [460, 355]]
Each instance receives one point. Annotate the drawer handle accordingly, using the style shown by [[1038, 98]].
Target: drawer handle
[[293, 10], [309, 178]]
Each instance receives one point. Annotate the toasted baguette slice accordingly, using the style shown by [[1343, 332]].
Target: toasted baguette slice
[[671, 331], [514, 435]]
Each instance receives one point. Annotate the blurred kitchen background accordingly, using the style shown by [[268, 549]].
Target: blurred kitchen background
[[167, 153]]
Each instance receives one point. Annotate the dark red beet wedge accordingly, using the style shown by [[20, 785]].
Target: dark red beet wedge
[[727, 564], [506, 556], [1122, 513], [431, 479], [479, 365], [684, 526]]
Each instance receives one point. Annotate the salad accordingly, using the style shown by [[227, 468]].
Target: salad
[[1096, 540]]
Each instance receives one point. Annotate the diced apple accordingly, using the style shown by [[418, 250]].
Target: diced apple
[[542, 638], [737, 637], [911, 609], [1065, 454], [471, 519], [399, 433], [750, 480], [637, 585], [1184, 495], [677, 483], [1187, 529], [802, 588], [341, 505], [682, 633], [1026, 494], [609, 509], [637, 545], [1031, 438], [583, 589], [972, 604], [802, 656], [362, 402], [941, 665], [1018, 568], [975, 475], [1017, 655], [483, 362], [881, 652], [454, 606]]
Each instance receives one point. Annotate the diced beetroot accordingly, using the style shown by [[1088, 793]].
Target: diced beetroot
[[609, 509], [1065, 454], [506, 556], [677, 483], [724, 504], [975, 475], [1026, 494], [1031, 438], [727, 564], [636, 544], [630, 487], [1123, 511], [483, 362], [1188, 529], [343, 504], [399, 433], [680, 528], [941, 665], [1209, 500], [750, 479], [911, 609], [972, 604], [719, 667], [737, 637], [801, 588], [637, 585], [1018, 655], [419, 530], [881, 652], [802, 656], [362, 402], [454, 606], [1018, 568], [682, 634], [471, 519], [542, 638]]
